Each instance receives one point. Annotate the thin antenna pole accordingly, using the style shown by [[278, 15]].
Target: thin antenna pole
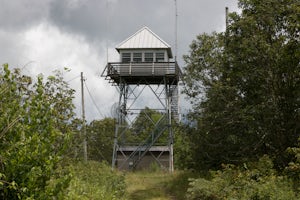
[[83, 121], [107, 18], [176, 15], [226, 17]]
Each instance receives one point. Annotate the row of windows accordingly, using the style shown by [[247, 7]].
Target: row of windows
[[143, 57]]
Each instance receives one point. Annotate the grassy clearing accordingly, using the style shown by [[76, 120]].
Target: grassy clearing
[[156, 185], [94, 180], [148, 185]]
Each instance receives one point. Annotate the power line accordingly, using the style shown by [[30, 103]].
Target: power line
[[73, 79], [94, 102]]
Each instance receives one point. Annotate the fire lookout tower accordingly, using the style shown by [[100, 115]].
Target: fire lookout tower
[[144, 71]]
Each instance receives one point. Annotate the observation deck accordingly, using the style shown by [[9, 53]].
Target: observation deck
[[143, 72]]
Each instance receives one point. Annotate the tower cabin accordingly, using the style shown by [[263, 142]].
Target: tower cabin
[[144, 59]]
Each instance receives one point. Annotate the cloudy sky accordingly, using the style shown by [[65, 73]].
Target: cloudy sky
[[44, 35]]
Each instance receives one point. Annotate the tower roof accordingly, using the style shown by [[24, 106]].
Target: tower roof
[[144, 39]]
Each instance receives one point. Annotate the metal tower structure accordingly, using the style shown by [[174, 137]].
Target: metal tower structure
[[147, 82]]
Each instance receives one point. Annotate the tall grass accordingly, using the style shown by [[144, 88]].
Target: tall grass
[[94, 180]]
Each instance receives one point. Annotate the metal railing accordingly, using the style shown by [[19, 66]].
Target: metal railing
[[142, 69]]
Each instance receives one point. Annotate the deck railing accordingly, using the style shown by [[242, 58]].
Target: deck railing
[[142, 69]]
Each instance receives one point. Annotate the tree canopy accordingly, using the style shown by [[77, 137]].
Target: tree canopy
[[244, 84]]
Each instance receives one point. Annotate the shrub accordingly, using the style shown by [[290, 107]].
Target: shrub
[[293, 168], [34, 134], [259, 181]]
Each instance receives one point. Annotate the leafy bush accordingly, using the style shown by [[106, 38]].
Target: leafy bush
[[293, 168], [179, 184], [33, 135], [94, 180], [259, 181]]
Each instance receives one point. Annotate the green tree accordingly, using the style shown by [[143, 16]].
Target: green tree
[[60, 96], [33, 135], [183, 150], [144, 126], [263, 45], [293, 168], [100, 134], [75, 147], [244, 85]]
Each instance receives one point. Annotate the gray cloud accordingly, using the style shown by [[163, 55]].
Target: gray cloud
[[82, 17], [18, 15], [74, 33], [114, 20], [105, 20]]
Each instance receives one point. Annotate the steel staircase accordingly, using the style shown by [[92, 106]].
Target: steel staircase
[[136, 156], [174, 102]]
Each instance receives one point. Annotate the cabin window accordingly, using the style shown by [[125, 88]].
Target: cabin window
[[126, 57], [148, 57], [159, 57], [137, 57]]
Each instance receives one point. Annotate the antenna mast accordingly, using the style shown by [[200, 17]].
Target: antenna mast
[[176, 15], [107, 17], [226, 17]]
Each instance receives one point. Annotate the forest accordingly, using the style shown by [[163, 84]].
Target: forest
[[241, 139]]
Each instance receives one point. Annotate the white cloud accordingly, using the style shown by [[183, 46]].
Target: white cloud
[[51, 49]]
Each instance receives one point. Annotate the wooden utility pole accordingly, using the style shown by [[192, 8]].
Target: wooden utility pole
[[83, 121]]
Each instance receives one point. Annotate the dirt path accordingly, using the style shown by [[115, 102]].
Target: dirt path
[[149, 186]]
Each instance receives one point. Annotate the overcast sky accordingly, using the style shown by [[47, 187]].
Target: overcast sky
[[45, 35]]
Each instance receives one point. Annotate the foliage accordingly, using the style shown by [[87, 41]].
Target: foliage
[[95, 180], [183, 154], [293, 168], [244, 86], [179, 184], [100, 134], [33, 135], [256, 181], [75, 147], [144, 125]]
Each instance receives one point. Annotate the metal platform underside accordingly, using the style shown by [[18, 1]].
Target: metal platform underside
[[143, 73], [170, 80]]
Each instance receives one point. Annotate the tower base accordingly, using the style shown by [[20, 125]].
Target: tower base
[[156, 156]]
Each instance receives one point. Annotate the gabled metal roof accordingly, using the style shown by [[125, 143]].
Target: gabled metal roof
[[144, 39]]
